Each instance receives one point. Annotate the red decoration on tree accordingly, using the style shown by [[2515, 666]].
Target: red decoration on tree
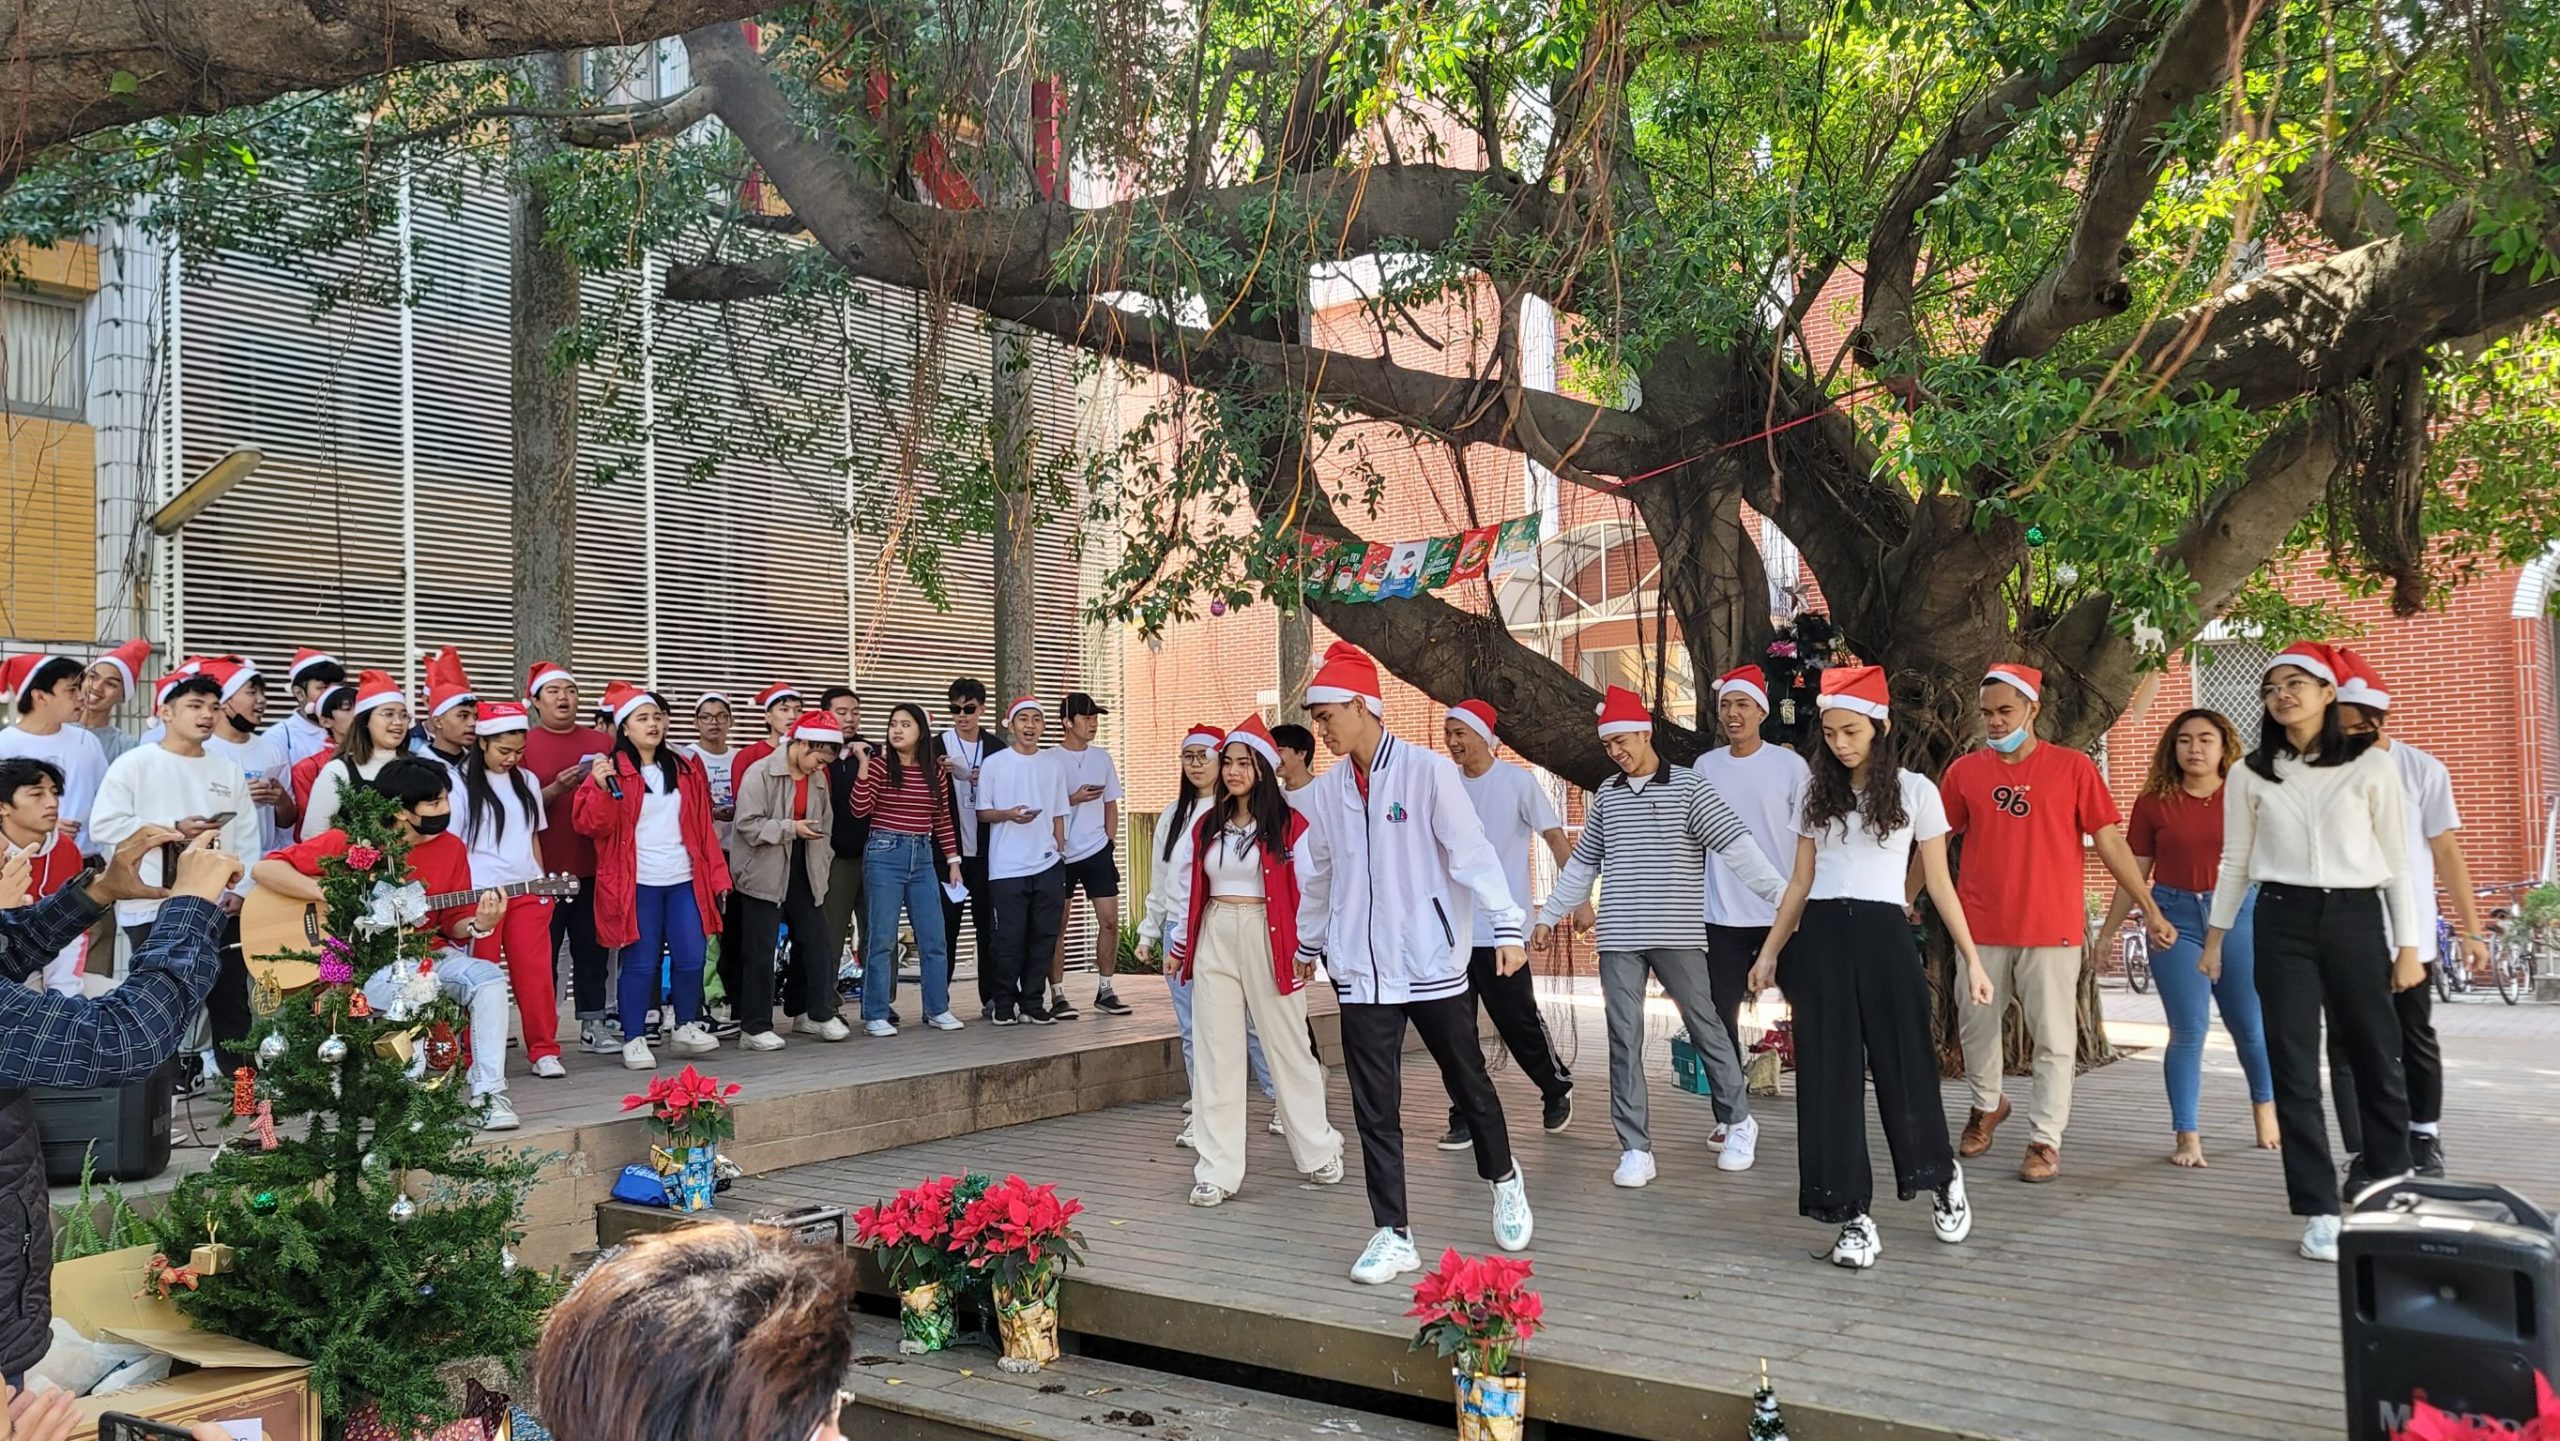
[[363, 858], [359, 1008], [267, 1126], [442, 1049], [165, 1276], [244, 1092]]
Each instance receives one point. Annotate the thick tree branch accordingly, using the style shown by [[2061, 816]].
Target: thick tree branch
[[2345, 209], [586, 127]]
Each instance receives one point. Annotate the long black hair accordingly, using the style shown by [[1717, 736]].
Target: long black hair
[[483, 795], [1191, 799], [668, 765], [1833, 794], [2332, 747], [1265, 803], [924, 745]]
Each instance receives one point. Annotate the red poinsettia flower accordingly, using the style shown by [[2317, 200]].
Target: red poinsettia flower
[[2426, 1423], [363, 858], [1477, 1310]]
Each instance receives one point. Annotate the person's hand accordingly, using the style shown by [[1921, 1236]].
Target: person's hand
[[1978, 981], [2163, 931], [2475, 952], [1541, 937], [205, 872], [266, 792], [724, 813], [950, 767], [571, 773], [1084, 794], [1025, 814], [601, 771], [492, 912], [1507, 960], [1764, 974], [1584, 918], [207, 1431], [2407, 972], [2093, 953], [191, 827], [2211, 961], [1144, 950], [955, 871], [122, 879], [1306, 970], [807, 831], [17, 878], [43, 1415], [70, 829]]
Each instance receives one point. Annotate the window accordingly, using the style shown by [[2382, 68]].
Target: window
[[2227, 674], [40, 357], [1632, 667]]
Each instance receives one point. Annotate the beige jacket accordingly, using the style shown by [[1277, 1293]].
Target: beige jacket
[[761, 834]]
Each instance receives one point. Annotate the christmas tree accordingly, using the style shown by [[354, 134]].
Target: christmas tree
[[1766, 1423], [355, 1225]]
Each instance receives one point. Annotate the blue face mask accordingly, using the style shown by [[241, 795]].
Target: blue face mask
[[2007, 745]]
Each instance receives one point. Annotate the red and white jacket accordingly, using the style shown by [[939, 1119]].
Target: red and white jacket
[[614, 825], [1282, 882]]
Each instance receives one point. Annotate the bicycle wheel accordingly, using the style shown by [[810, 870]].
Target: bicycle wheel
[[2137, 964], [2441, 974], [2510, 967]]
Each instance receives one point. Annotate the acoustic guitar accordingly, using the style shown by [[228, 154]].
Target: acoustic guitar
[[271, 925]]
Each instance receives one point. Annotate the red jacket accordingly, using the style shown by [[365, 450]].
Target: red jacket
[[613, 823], [1279, 896]]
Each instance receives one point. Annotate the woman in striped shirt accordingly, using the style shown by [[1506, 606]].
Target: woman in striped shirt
[[899, 790]]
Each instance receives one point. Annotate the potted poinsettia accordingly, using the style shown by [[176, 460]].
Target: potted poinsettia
[[1020, 1237], [692, 1112], [911, 1235], [1477, 1311]]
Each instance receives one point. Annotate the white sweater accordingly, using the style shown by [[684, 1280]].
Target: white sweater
[[150, 785], [2333, 827], [1169, 888]]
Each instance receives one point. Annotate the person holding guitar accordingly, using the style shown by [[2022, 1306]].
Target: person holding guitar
[[502, 812], [458, 914]]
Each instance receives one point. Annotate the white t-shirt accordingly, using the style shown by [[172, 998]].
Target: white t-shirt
[[259, 759], [74, 752], [1009, 779], [1766, 790], [2429, 787], [1515, 812], [327, 791], [149, 785], [971, 757], [1091, 766], [658, 842], [502, 854], [1849, 863], [299, 737]]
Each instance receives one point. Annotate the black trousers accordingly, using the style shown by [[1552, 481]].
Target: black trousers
[[1512, 1001], [574, 921], [2321, 954], [733, 950], [982, 920], [812, 968], [1731, 952], [1860, 999], [1028, 911], [1373, 1057], [2421, 1066]]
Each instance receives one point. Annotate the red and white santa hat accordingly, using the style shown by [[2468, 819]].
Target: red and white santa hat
[[127, 660], [622, 699], [447, 686], [18, 674], [160, 688], [706, 698], [1254, 736], [375, 689], [818, 728], [1206, 737], [498, 717], [2026, 680], [1347, 675], [1022, 704], [303, 660], [235, 674], [1857, 689], [2360, 684], [1622, 712], [2318, 658], [775, 694], [545, 673], [1476, 716], [1749, 681]]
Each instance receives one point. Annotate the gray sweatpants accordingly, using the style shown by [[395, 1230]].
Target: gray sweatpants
[[1683, 972]]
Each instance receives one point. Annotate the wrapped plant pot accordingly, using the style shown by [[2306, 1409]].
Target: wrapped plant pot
[[1492, 1408], [1027, 1323], [926, 1318]]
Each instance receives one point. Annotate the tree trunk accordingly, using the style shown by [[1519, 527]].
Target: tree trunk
[[542, 313], [1297, 648], [1017, 527]]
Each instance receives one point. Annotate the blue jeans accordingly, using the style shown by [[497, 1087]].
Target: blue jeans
[[1181, 990], [670, 925], [897, 870], [2183, 993]]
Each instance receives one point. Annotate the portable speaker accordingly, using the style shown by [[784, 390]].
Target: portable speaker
[[2448, 1291]]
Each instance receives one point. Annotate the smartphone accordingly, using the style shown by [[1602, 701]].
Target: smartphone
[[117, 1426], [222, 818]]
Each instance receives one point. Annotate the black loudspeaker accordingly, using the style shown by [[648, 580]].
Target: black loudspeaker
[[128, 1125], [2447, 1291]]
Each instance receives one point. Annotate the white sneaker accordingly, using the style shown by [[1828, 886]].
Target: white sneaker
[[831, 1029], [1186, 1105], [496, 1114], [1275, 1127], [1635, 1168], [636, 1056], [693, 1040], [1741, 1145], [1715, 1138], [1388, 1256], [1204, 1193], [878, 1028], [549, 1068], [1328, 1174], [944, 1022], [1183, 1137], [1858, 1246], [760, 1041], [1512, 1223], [2320, 1238], [596, 1039], [1950, 1212]]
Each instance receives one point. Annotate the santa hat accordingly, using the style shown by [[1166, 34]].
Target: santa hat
[[18, 673], [127, 659], [1348, 674], [1207, 737], [303, 660], [498, 717], [235, 675], [2361, 684], [621, 698], [447, 686], [1476, 716], [375, 689], [1256, 736], [545, 673], [2316, 657], [1858, 689], [1747, 679], [774, 695], [1018, 707], [183, 669], [2025, 679], [706, 698], [1622, 712], [818, 728]]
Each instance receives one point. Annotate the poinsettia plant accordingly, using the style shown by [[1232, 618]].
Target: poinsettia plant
[[1477, 1311], [912, 1233], [1018, 1234], [688, 1108], [2429, 1423]]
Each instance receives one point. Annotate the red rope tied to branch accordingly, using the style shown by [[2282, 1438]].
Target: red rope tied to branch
[[1785, 425]]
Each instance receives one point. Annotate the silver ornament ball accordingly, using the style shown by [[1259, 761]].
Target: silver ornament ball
[[333, 1050], [404, 1210], [271, 1050]]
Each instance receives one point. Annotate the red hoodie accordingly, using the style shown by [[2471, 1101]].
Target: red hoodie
[[613, 824]]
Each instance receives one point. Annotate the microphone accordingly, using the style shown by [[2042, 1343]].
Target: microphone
[[613, 785]]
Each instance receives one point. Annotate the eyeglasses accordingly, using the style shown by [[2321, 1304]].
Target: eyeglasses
[[969, 708], [2294, 686]]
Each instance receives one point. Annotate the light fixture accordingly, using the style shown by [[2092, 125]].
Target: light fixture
[[205, 489]]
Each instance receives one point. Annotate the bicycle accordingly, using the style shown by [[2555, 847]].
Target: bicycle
[[2511, 964], [2137, 960]]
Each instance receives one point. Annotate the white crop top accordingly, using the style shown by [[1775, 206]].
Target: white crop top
[[1234, 864]]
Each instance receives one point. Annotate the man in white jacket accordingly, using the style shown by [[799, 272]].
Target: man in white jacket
[[1396, 844]]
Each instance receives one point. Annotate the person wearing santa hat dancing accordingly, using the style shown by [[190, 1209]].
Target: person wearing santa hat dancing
[[1764, 784], [1393, 843], [1022, 798]]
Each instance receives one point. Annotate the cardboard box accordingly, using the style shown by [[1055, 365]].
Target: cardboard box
[[258, 1393]]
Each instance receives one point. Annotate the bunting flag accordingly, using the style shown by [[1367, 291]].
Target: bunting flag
[[1359, 570]]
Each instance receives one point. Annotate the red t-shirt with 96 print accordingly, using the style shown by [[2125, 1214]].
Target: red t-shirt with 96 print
[[2020, 873]]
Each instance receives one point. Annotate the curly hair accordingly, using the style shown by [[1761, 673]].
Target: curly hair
[[2165, 777], [1833, 795]]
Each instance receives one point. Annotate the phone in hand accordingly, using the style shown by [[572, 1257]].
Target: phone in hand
[[118, 1426], [222, 818]]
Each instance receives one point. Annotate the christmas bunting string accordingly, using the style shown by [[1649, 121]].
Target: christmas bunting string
[[1359, 570]]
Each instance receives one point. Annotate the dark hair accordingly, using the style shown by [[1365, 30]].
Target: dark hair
[[483, 794], [1189, 800], [1832, 793], [326, 671], [48, 675], [412, 780], [19, 772], [924, 747], [2165, 775], [204, 685], [712, 1333], [333, 700], [2332, 747], [1291, 736], [668, 765], [967, 687], [828, 696], [1266, 803]]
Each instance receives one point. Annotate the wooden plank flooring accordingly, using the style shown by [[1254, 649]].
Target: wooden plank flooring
[[2128, 1299]]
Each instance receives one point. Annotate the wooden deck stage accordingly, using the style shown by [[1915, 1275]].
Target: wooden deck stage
[[2129, 1299]]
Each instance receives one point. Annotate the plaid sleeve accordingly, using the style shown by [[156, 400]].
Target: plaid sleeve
[[31, 936], [51, 1040]]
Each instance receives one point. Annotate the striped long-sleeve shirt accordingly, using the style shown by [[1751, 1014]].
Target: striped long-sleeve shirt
[[1651, 840], [50, 1040]]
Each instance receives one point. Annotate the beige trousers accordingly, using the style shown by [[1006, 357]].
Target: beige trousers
[[2046, 982], [1231, 978]]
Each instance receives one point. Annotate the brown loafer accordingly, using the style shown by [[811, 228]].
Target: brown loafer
[[2043, 1163], [1978, 1128]]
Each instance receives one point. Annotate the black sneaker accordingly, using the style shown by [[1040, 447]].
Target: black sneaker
[[1060, 1008], [724, 1026], [1458, 1138], [2356, 1180], [1109, 1003], [1038, 1014], [1002, 1014], [1558, 1111], [2426, 1154]]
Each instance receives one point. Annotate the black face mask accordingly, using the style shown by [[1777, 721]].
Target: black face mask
[[435, 825]]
